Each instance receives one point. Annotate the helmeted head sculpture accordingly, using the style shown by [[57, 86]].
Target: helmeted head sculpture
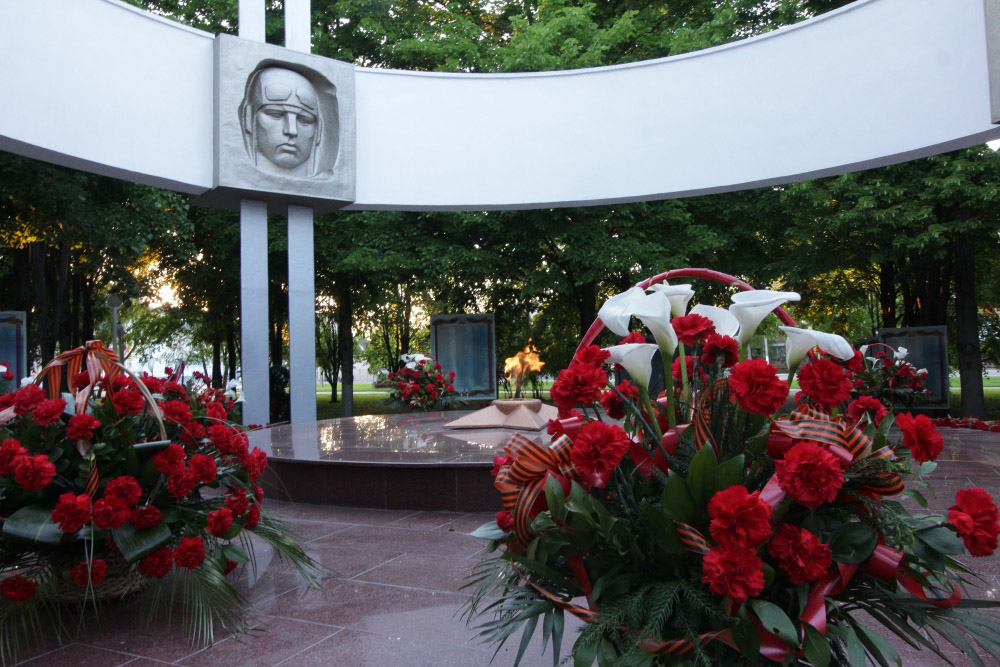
[[282, 122]]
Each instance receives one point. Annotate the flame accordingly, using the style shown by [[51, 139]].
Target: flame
[[525, 361]]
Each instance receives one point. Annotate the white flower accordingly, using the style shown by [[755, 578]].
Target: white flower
[[654, 311], [617, 311], [678, 295], [800, 341], [863, 349], [901, 353], [412, 360], [751, 307], [725, 323], [26, 381], [636, 359]]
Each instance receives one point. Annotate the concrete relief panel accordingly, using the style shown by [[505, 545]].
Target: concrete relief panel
[[284, 127]]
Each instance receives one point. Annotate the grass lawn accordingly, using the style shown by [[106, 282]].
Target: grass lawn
[[988, 381]]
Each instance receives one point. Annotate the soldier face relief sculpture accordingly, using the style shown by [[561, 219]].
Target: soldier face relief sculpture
[[282, 123]]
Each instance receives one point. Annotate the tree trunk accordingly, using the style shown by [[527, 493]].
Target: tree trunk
[[43, 317], [22, 298], [345, 346], [970, 361], [231, 359], [74, 318], [587, 303], [60, 312], [87, 325]]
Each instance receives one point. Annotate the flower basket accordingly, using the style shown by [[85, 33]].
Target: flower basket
[[705, 526], [126, 482]]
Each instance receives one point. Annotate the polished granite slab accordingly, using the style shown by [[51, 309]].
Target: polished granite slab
[[395, 596], [416, 438]]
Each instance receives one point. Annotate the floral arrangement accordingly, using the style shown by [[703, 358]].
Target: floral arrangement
[[421, 383], [704, 528], [6, 378], [118, 484], [969, 423], [882, 372]]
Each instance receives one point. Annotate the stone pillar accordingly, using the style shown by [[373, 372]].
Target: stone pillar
[[297, 25], [253, 311], [301, 314]]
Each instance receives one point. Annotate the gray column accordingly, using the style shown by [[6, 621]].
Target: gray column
[[297, 28], [301, 314], [251, 20], [253, 311]]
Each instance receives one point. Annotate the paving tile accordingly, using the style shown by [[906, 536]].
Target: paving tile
[[425, 520], [336, 513], [273, 641], [442, 573], [409, 541], [79, 654]]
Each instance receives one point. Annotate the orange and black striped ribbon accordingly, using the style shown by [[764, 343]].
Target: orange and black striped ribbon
[[703, 415], [523, 482], [692, 539]]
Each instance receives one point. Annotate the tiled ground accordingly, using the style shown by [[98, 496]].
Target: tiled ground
[[395, 599]]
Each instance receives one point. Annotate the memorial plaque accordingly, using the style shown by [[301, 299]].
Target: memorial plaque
[[466, 344], [927, 347], [13, 343]]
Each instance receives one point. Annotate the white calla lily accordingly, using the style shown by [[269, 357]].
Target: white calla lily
[[678, 295], [654, 311], [725, 323], [636, 359], [800, 341], [751, 307], [617, 311], [901, 353]]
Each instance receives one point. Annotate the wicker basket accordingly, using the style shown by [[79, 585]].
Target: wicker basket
[[49, 571]]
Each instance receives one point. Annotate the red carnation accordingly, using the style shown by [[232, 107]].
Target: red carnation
[[720, 348], [48, 411], [81, 380], [175, 388], [869, 405], [81, 574], [920, 437], [17, 588], [258, 493], [146, 517], [976, 521], [124, 488], [253, 517], [505, 521], [580, 383], [81, 427], [229, 566], [691, 328], [733, 573], [740, 520], [257, 464], [10, 452], [215, 411], [181, 483], [220, 521], [154, 385], [34, 473], [192, 432], [825, 383], [592, 355], [237, 501], [111, 513], [597, 449], [755, 385], [157, 564], [71, 512], [675, 370], [810, 475], [219, 435], [26, 399], [612, 402], [499, 462], [128, 402], [800, 555], [176, 412], [204, 467], [170, 459], [634, 337]]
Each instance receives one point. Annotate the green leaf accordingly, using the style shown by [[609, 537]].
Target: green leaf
[[702, 476], [917, 496], [774, 618], [730, 473], [136, 544], [853, 542], [151, 447], [878, 646], [816, 647], [489, 531], [676, 499], [234, 553], [926, 468], [942, 540], [855, 651], [555, 498], [529, 629], [33, 524]]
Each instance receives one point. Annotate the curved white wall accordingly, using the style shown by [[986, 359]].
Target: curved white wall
[[98, 85]]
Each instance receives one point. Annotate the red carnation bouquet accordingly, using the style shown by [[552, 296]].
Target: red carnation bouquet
[[121, 482], [422, 384], [711, 524]]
